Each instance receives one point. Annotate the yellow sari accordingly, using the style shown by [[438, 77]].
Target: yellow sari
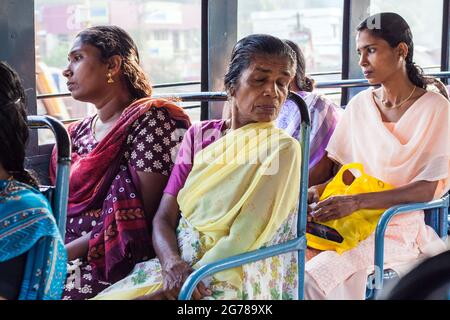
[[241, 190]]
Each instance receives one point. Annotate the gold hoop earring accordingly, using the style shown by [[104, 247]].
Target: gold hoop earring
[[110, 79]]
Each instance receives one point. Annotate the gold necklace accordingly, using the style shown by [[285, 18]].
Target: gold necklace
[[94, 125], [384, 102]]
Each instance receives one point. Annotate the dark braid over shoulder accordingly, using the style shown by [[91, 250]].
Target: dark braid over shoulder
[[395, 30], [13, 125]]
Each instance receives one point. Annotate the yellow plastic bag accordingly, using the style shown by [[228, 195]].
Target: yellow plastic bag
[[354, 227]]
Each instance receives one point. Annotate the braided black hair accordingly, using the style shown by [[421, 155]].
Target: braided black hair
[[247, 48], [392, 28], [303, 82], [112, 40], [13, 126]]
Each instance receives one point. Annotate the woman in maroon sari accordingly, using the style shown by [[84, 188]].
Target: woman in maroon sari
[[121, 161]]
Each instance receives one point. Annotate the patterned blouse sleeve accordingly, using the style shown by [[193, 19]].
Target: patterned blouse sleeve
[[153, 142], [183, 164]]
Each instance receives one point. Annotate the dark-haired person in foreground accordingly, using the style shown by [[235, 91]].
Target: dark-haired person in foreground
[[32, 253], [224, 199], [400, 132], [121, 161]]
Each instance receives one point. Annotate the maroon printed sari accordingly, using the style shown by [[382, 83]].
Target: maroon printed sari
[[104, 193]]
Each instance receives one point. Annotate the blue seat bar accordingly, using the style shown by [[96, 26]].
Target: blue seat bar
[[298, 244], [63, 146], [441, 205]]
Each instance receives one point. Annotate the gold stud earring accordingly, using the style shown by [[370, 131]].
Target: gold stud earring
[[110, 80]]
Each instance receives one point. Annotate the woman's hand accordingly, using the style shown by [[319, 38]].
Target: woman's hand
[[313, 198], [335, 207], [175, 272], [78, 248], [313, 194]]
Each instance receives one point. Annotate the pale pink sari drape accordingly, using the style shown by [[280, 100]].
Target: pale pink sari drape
[[416, 148]]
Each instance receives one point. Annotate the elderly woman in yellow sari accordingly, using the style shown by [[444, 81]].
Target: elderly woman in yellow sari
[[234, 188]]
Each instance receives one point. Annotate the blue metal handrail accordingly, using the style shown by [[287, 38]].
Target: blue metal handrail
[[441, 204], [352, 83], [63, 147], [221, 96], [192, 281], [156, 86], [175, 84], [298, 244], [336, 72], [303, 138], [342, 83]]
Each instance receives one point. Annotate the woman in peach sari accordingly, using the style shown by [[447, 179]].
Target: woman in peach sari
[[400, 133]]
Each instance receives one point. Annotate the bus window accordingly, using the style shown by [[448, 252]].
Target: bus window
[[427, 34], [168, 35], [315, 26]]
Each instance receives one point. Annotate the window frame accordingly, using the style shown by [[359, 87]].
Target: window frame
[[218, 36]]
